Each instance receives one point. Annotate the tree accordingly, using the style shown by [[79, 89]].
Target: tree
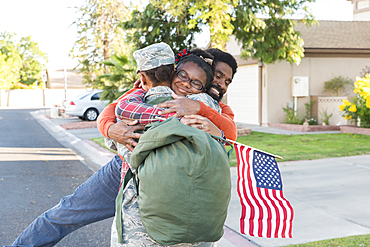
[[338, 84], [98, 36], [33, 61], [267, 39], [10, 61], [121, 78], [148, 26], [216, 14], [153, 25], [272, 38], [20, 61]]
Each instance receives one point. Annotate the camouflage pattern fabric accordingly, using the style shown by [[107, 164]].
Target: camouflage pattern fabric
[[207, 100], [154, 56]]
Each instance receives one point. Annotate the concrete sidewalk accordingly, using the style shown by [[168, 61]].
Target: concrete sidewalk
[[330, 196]]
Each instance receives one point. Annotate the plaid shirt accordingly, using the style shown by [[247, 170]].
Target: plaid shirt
[[132, 106]]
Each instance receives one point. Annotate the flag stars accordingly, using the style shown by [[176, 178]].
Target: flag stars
[[266, 171]]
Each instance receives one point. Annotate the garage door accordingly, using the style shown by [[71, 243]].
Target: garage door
[[242, 94]]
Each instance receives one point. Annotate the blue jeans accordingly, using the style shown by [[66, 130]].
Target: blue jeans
[[92, 201]]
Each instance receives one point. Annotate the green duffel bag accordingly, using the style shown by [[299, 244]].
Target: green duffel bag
[[184, 183]]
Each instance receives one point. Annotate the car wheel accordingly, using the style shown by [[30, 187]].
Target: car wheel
[[91, 114]]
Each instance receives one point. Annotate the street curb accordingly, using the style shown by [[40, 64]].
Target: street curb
[[92, 157]]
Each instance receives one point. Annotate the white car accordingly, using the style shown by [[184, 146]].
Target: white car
[[86, 106]]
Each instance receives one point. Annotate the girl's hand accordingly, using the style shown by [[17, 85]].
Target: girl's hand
[[201, 123], [181, 105]]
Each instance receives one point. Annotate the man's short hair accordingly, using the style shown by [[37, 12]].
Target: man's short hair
[[221, 56]]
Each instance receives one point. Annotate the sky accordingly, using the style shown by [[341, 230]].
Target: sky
[[48, 22]]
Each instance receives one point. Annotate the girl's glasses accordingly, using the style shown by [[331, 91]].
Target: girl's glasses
[[184, 77]]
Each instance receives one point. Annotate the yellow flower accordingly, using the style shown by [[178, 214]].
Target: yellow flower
[[347, 117], [352, 108], [346, 102], [341, 107]]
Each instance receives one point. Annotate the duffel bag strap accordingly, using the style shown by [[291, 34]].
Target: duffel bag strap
[[224, 140], [119, 200]]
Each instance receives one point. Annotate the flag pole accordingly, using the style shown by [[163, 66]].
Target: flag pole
[[274, 155]]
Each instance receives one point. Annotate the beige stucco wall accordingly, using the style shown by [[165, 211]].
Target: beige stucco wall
[[277, 85], [363, 16], [330, 105]]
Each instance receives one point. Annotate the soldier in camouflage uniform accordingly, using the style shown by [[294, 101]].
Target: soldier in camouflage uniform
[[133, 231]]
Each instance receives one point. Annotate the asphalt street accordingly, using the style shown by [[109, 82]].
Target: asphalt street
[[36, 171]]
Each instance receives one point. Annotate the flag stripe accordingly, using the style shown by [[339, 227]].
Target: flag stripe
[[243, 193], [264, 210], [255, 202], [278, 212], [239, 188]]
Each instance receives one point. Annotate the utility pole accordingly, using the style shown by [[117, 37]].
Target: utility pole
[[65, 83]]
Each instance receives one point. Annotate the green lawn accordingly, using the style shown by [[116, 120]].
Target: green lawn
[[307, 147], [352, 241], [100, 141], [301, 147]]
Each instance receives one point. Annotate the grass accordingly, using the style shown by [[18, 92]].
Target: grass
[[100, 141], [352, 241], [307, 147], [301, 147]]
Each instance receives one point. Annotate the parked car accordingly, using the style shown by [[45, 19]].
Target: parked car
[[86, 106]]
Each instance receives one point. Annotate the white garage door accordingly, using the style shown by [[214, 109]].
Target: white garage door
[[242, 94]]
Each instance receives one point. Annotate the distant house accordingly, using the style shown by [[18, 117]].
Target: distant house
[[361, 10], [56, 76], [332, 48]]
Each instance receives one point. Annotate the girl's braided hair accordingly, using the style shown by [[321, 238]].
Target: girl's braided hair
[[200, 57]]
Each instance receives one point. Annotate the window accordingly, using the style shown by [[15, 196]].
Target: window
[[362, 4], [95, 96]]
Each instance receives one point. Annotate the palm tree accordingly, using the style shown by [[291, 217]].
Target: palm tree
[[120, 79]]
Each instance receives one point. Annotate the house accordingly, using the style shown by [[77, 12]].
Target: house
[[361, 10], [332, 48], [56, 75]]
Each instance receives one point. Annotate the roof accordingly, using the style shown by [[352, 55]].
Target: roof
[[336, 35]]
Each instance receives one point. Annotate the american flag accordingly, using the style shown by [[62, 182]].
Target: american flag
[[265, 211]]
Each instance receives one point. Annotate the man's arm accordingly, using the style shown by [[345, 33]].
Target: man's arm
[[133, 107], [122, 132], [184, 106], [225, 121]]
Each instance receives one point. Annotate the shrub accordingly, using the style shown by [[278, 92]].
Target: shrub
[[310, 120], [360, 105], [325, 116], [337, 84], [291, 117]]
